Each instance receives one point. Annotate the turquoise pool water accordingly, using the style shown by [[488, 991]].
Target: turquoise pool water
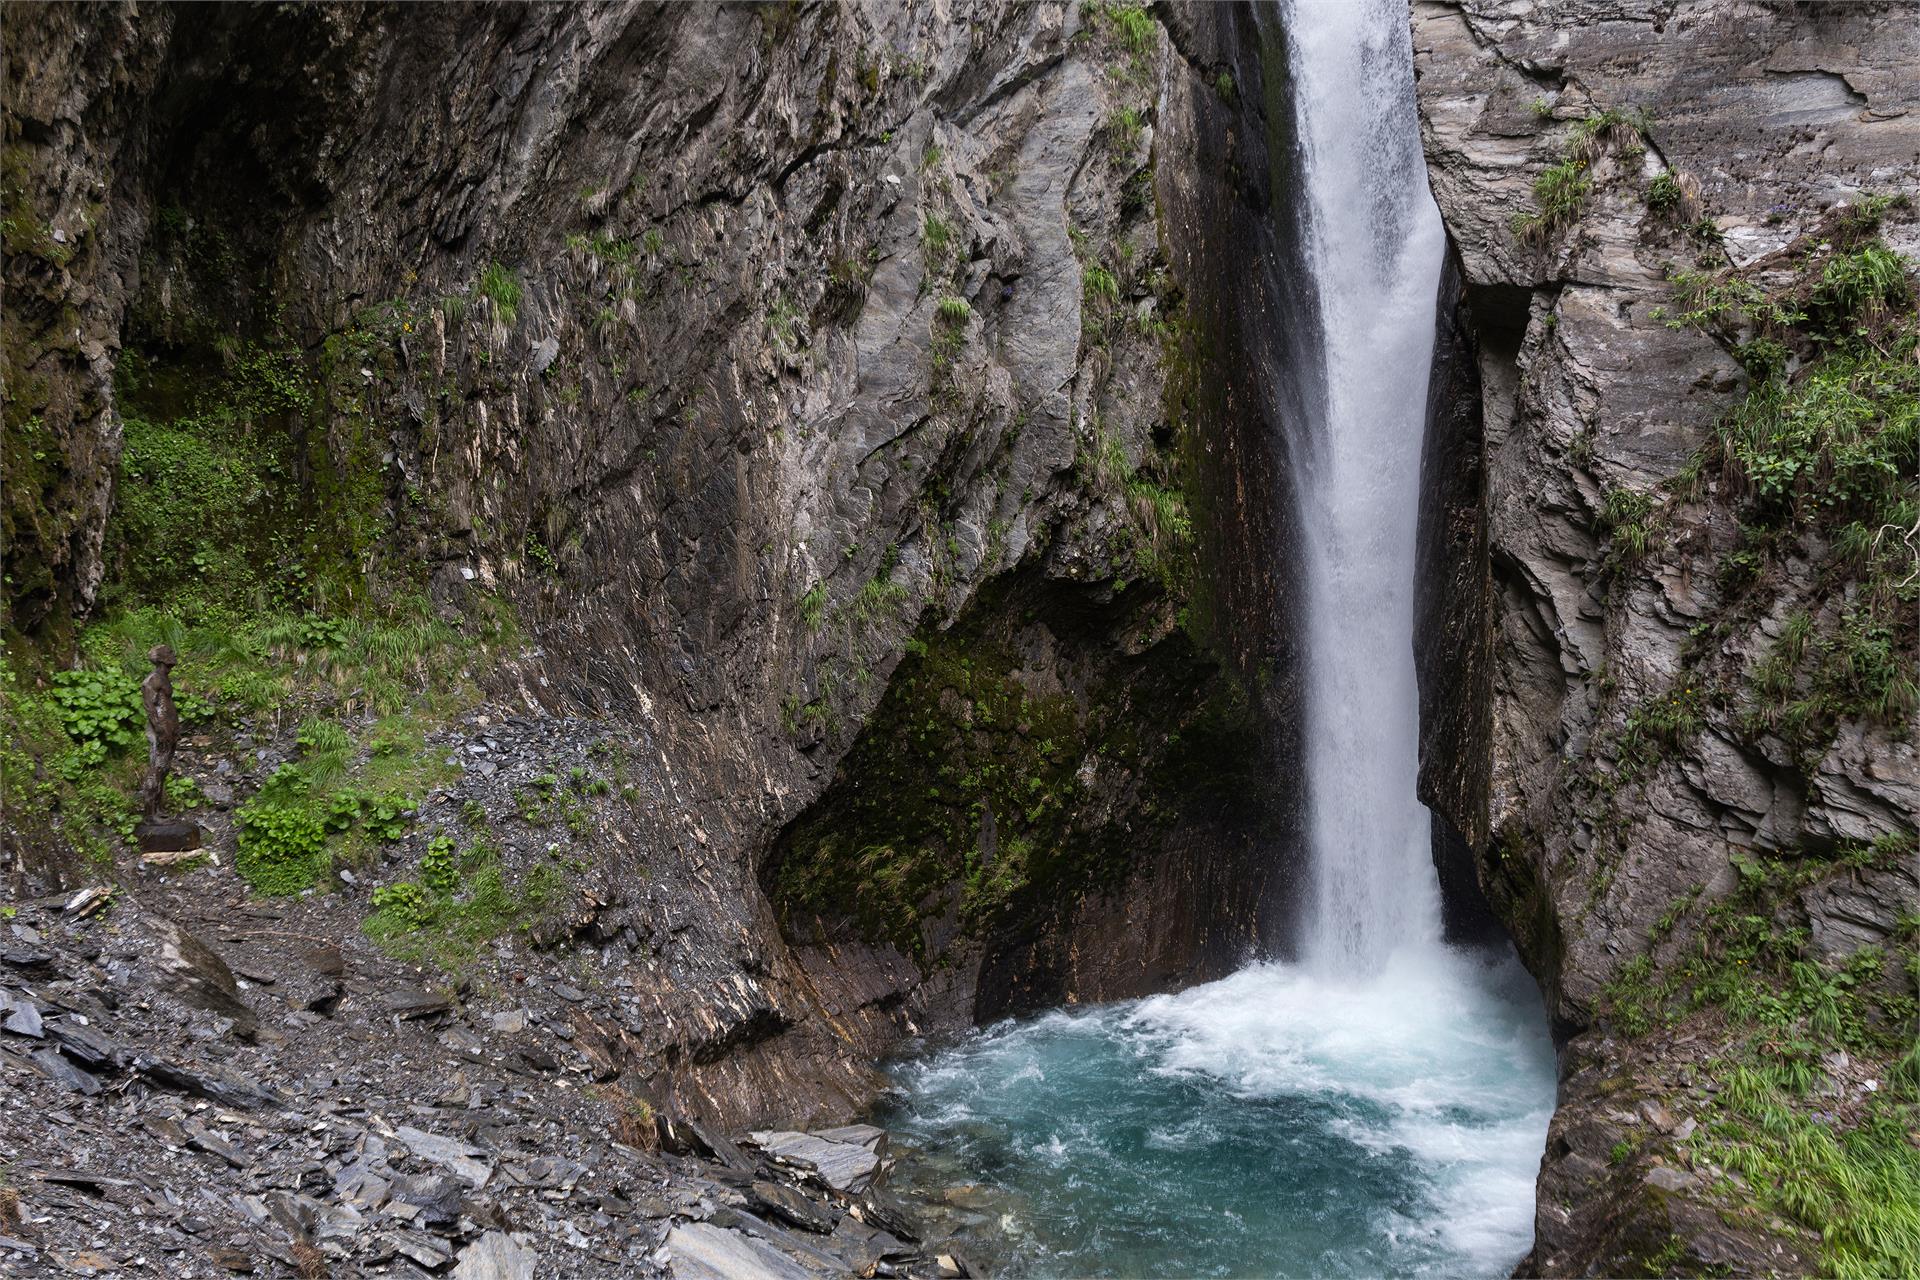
[[1275, 1123]]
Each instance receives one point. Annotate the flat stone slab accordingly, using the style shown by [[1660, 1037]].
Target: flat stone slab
[[458, 1158], [844, 1166], [701, 1251], [870, 1136], [495, 1256]]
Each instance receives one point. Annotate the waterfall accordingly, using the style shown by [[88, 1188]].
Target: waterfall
[[1379, 1108], [1374, 249]]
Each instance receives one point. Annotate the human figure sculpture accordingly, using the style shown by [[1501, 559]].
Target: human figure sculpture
[[163, 729]]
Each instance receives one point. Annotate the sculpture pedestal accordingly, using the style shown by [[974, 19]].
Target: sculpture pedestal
[[168, 835]]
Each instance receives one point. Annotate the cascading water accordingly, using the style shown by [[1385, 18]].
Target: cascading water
[[1375, 245], [1378, 1108]]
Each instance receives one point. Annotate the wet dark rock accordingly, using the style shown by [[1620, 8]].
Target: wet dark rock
[[690, 1137], [202, 1138], [200, 977], [63, 1073], [87, 1044], [415, 1004], [701, 1251], [212, 1083], [437, 1199], [790, 1206], [18, 956], [427, 1251], [20, 1016], [878, 1208]]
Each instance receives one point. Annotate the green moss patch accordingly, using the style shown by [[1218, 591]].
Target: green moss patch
[[992, 792]]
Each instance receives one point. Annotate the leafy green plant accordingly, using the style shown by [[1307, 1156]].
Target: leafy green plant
[[783, 319], [1840, 440], [401, 908], [471, 904], [1661, 723], [1632, 519], [1664, 194], [542, 558], [1559, 193], [1561, 190], [100, 710], [282, 847], [954, 310], [1100, 283], [438, 866], [500, 284], [386, 816], [936, 233], [1132, 25], [1124, 127], [183, 792]]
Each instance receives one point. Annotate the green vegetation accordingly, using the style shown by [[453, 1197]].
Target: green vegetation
[[461, 902], [1659, 725], [1126, 22], [500, 284], [256, 533], [1159, 535], [100, 711], [960, 735], [1561, 190], [954, 310], [1833, 446], [1633, 521], [1838, 1162], [1664, 194], [370, 684], [813, 605], [965, 791], [224, 499], [783, 319], [936, 233], [1100, 283], [1818, 460]]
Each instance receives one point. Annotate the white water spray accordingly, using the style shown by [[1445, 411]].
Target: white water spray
[[1375, 245]]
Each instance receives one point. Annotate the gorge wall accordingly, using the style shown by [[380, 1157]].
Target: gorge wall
[[842, 411], [1668, 687]]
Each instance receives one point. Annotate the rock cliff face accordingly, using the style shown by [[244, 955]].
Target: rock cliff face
[[1626, 186], [740, 351]]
